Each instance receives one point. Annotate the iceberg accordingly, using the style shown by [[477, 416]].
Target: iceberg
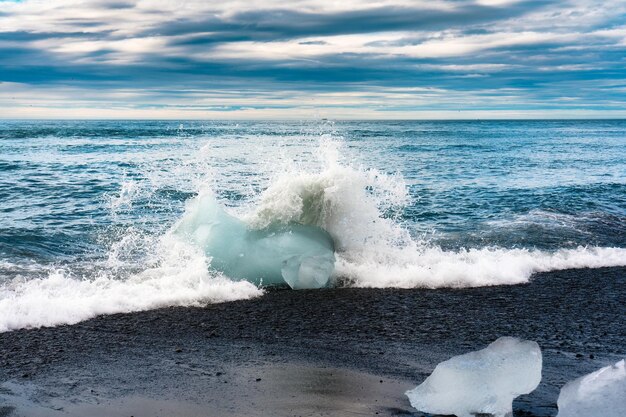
[[599, 394], [300, 256], [483, 382]]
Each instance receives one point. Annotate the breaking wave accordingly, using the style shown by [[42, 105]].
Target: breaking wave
[[360, 208], [181, 277]]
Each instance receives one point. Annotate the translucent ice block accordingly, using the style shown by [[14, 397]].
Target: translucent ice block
[[298, 255], [481, 382], [599, 394]]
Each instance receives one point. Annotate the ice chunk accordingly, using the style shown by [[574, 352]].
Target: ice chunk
[[298, 255], [599, 394], [481, 382]]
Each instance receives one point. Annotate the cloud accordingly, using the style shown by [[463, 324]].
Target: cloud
[[253, 56]]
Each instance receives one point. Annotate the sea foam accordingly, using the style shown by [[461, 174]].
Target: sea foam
[[180, 278]]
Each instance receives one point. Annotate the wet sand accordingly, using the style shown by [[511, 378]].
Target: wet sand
[[315, 353]]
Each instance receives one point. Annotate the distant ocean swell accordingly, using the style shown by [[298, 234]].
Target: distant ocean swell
[[360, 207]]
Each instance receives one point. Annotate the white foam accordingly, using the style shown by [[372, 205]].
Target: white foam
[[432, 267], [181, 278]]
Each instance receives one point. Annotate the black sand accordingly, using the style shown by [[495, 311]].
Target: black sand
[[328, 352]]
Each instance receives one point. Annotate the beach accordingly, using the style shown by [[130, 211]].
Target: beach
[[312, 208], [121, 293], [340, 351]]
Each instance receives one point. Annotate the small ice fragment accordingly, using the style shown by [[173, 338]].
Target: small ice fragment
[[599, 394], [481, 382]]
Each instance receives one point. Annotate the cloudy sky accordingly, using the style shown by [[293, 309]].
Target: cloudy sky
[[199, 59]]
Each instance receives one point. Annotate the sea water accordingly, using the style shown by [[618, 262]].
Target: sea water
[[89, 209]]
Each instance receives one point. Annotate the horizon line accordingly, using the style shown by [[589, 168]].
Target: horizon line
[[291, 119]]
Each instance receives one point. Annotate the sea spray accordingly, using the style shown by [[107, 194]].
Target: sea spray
[[357, 206]]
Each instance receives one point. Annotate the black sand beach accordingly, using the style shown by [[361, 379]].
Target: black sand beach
[[330, 352]]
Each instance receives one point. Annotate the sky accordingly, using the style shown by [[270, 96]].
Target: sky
[[353, 59]]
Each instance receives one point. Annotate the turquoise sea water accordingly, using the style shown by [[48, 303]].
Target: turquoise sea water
[[82, 201]]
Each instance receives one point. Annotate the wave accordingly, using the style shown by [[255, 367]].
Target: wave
[[181, 278], [436, 268], [359, 207], [61, 298]]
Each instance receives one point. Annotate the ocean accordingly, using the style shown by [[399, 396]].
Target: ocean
[[88, 209]]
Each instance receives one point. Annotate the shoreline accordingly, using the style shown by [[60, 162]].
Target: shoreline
[[321, 346]]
